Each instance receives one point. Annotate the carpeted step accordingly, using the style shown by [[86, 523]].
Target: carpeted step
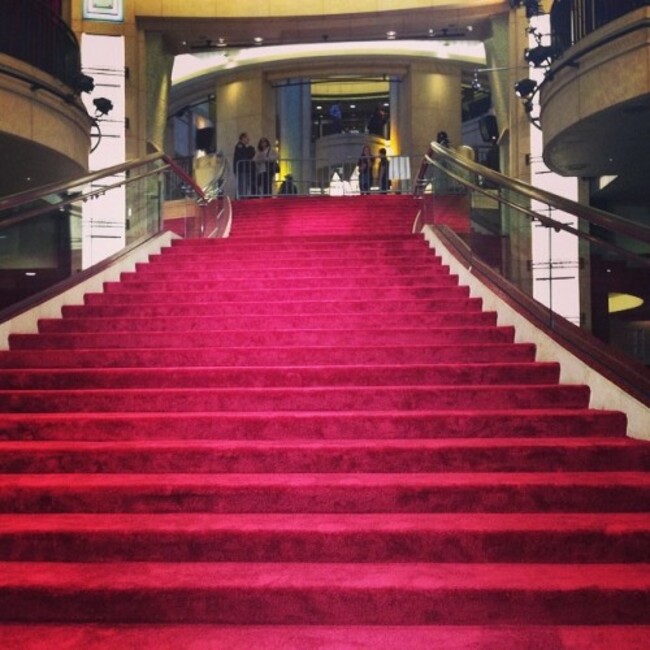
[[320, 355], [290, 284], [338, 637], [325, 492], [372, 280], [266, 322], [181, 307], [393, 537], [311, 398], [360, 274], [226, 294], [340, 593], [255, 338], [296, 269], [402, 261], [328, 456], [311, 244], [314, 245], [261, 376], [325, 425]]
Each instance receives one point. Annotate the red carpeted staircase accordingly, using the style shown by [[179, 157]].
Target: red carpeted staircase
[[310, 436]]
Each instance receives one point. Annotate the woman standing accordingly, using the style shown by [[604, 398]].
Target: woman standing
[[265, 167], [365, 170], [383, 167]]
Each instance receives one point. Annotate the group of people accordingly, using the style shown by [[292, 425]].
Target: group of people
[[366, 165], [255, 167]]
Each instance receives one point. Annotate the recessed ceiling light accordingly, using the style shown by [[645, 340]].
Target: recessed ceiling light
[[258, 40], [391, 35]]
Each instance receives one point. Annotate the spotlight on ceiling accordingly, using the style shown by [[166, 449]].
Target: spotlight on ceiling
[[539, 56], [103, 106], [525, 88], [391, 35], [258, 40]]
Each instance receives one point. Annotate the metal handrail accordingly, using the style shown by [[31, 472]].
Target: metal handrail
[[594, 216], [14, 202]]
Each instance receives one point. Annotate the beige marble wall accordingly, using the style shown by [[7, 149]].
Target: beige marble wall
[[245, 102], [158, 75], [430, 102]]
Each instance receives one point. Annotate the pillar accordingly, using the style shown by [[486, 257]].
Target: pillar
[[294, 130]]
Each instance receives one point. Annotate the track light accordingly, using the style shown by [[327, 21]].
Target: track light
[[103, 106], [525, 88], [539, 56], [83, 83]]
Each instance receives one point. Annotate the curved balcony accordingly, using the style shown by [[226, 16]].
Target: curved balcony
[[595, 102], [45, 128]]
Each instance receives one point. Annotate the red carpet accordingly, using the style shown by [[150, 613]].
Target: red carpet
[[310, 436]]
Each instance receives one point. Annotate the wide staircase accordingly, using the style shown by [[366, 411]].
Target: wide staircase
[[309, 435]]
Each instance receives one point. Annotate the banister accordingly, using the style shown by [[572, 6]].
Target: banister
[[592, 215], [14, 201]]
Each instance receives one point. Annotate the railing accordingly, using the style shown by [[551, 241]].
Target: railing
[[572, 20], [31, 32], [50, 234], [322, 177], [582, 273]]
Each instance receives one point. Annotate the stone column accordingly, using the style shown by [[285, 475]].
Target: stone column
[[294, 131]]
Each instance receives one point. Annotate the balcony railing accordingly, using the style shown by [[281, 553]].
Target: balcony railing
[[31, 32], [322, 177], [572, 20]]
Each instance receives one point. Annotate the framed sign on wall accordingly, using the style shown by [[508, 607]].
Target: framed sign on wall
[[112, 10]]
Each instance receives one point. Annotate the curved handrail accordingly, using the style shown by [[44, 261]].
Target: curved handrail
[[613, 360], [14, 201], [592, 215]]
